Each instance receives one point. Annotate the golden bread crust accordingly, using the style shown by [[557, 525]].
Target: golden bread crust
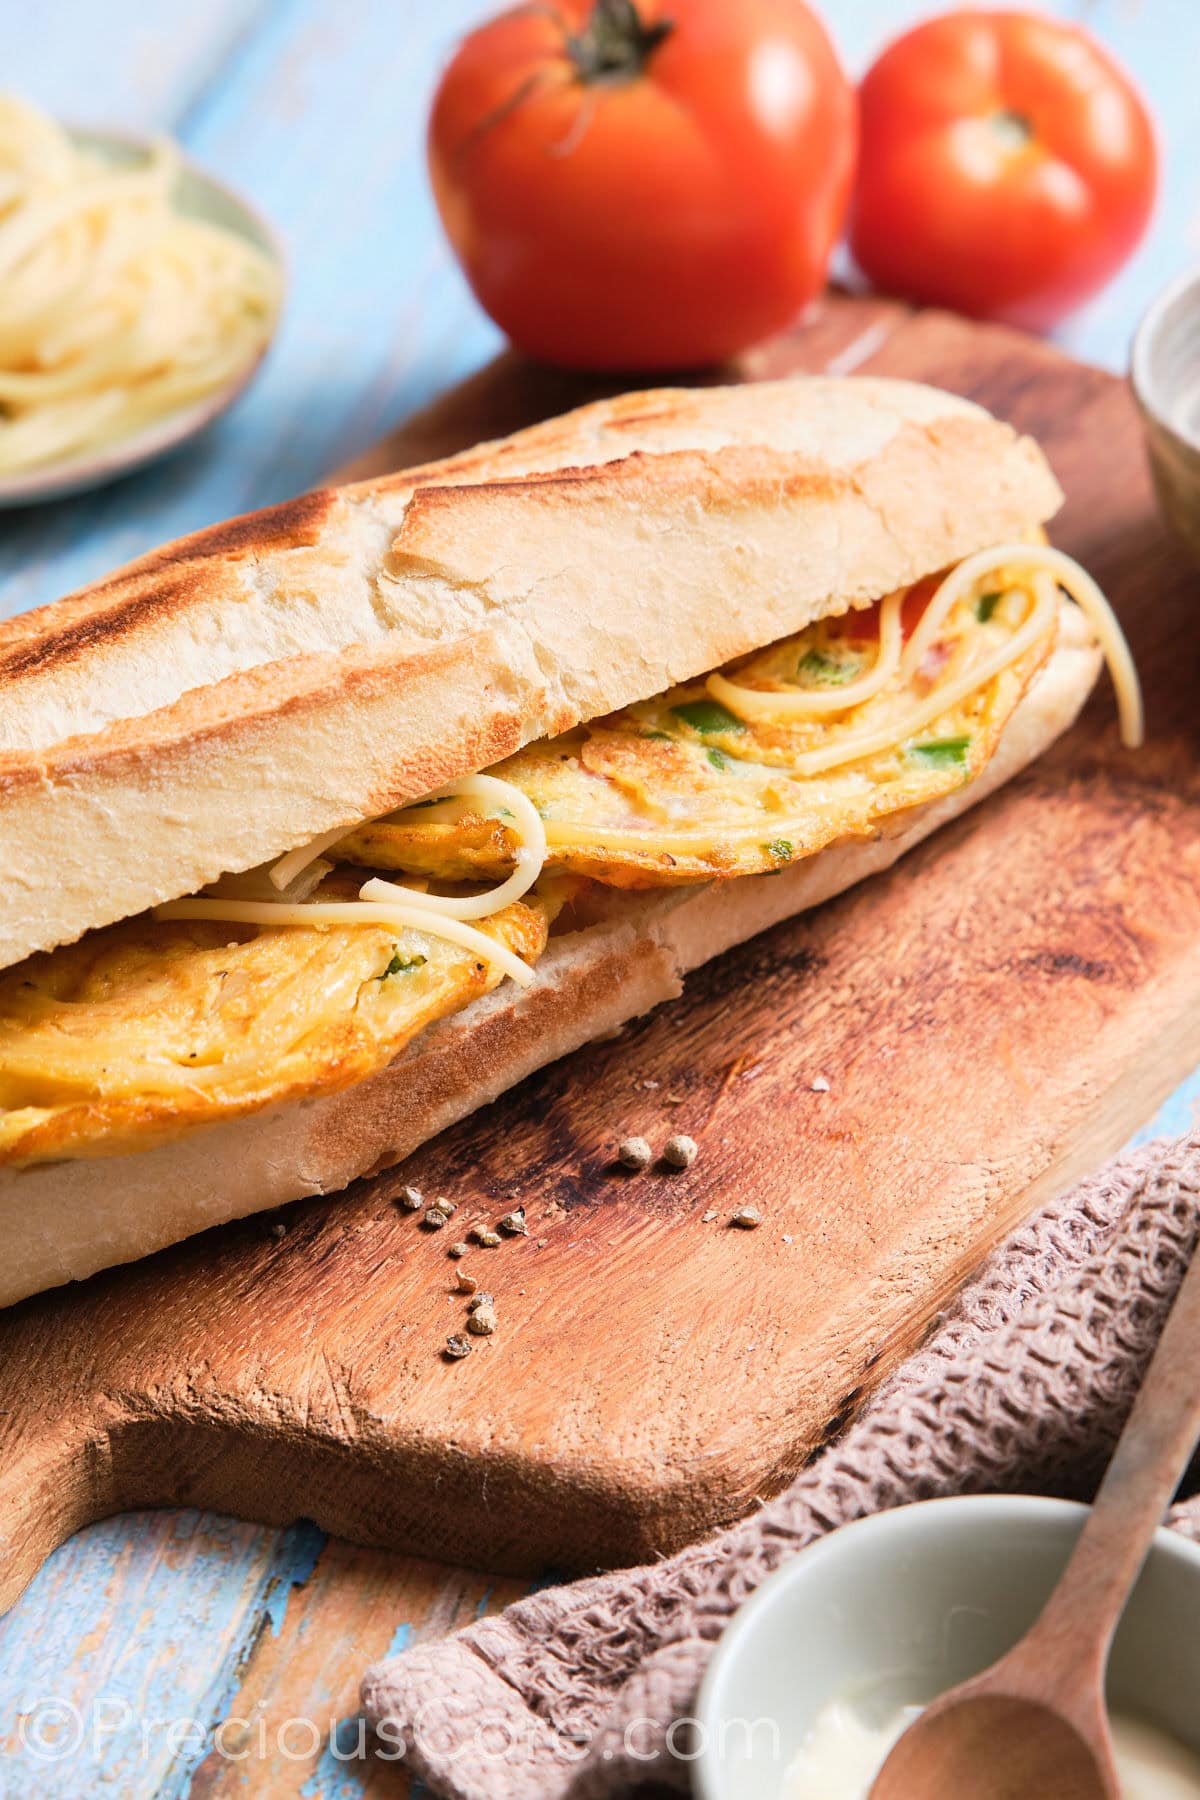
[[278, 676]]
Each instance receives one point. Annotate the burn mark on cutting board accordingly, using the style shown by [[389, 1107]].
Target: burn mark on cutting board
[[781, 953], [1068, 962]]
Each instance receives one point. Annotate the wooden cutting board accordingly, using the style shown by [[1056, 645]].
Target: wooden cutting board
[[993, 1017]]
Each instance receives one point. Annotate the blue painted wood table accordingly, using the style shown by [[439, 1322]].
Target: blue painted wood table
[[176, 1653]]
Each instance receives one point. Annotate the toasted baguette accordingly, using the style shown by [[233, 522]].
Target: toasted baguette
[[250, 687], [66, 1220]]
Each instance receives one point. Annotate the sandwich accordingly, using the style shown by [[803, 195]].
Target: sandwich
[[321, 828]]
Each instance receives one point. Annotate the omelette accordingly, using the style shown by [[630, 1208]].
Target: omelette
[[680, 789], [147, 1028]]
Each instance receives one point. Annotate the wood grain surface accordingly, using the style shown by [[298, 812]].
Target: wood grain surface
[[992, 1017], [317, 114]]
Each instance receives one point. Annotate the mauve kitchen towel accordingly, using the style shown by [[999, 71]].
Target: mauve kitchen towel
[[570, 1694]]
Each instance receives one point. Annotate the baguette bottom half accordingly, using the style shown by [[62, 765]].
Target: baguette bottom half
[[64, 1221]]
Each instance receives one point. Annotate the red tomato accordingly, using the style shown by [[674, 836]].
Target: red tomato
[[644, 187], [1008, 166], [862, 624]]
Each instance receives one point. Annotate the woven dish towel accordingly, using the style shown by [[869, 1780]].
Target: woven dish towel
[[1024, 1386]]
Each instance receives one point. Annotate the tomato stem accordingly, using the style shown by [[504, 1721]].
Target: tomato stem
[[616, 43], [1013, 127]]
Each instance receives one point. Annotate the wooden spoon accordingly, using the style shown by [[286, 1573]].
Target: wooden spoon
[[1035, 1726]]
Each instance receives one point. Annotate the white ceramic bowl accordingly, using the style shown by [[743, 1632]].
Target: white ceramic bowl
[[900, 1606], [1165, 373], [203, 197]]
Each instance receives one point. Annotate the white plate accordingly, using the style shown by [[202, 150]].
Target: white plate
[[203, 197]]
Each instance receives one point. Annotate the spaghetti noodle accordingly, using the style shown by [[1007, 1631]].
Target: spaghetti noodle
[[116, 308]]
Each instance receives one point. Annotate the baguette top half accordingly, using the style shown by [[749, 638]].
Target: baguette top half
[[245, 689]]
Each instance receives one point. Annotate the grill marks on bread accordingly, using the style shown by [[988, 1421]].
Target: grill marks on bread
[[227, 698], [156, 587]]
